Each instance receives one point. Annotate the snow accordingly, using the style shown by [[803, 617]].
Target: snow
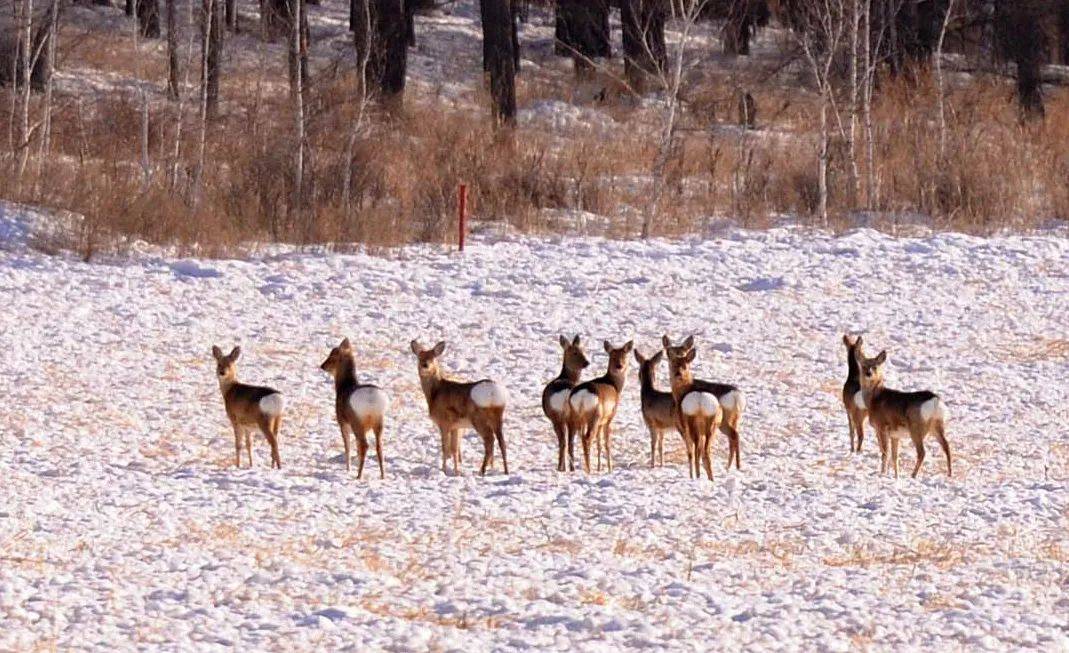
[[124, 525]]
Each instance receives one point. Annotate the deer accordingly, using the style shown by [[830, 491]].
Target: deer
[[248, 406], [893, 414], [454, 405], [360, 408], [658, 407], [593, 406], [853, 400], [732, 400], [698, 412], [555, 397]]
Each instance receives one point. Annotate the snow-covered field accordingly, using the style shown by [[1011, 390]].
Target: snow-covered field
[[124, 526]]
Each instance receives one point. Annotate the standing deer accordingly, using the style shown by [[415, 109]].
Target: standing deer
[[555, 397], [731, 399], [593, 406], [359, 408], [853, 400], [894, 414], [248, 406], [698, 411], [658, 407], [454, 405]]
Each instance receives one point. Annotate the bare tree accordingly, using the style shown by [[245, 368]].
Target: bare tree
[[1021, 38], [148, 17], [582, 32], [172, 50], [212, 54], [382, 41], [645, 53], [500, 57]]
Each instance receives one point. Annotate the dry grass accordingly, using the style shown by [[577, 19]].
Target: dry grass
[[994, 173]]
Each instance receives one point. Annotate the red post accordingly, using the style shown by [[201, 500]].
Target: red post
[[462, 213]]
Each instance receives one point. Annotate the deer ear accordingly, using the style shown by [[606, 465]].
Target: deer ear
[[608, 346], [666, 341], [417, 348], [691, 355], [216, 352], [439, 348], [847, 341], [689, 342], [629, 346], [881, 358], [563, 342], [858, 341], [639, 358], [575, 340], [346, 345], [234, 354], [656, 358]]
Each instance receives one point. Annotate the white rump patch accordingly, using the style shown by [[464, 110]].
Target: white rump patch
[[933, 409], [859, 400], [699, 404], [733, 402], [584, 401], [369, 402], [558, 401], [271, 405], [489, 394]]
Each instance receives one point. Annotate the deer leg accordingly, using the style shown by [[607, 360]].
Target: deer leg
[[859, 422], [248, 445], [500, 434], [487, 435], [454, 443], [446, 448], [378, 448], [918, 443], [881, 437], [853, 432], [653, 445], [607, 434], [585, 439], [237, 446], [265, 428], [571, 445], [660, 447], [345, 443], [276, 426], [942, 438], [707, 452], [562, 445], [688, 442], [894, 454], [361, 450], [728, 427]]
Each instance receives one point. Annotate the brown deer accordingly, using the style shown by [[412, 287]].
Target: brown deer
[[853, 400], [658, 407], [248, 406], [593, 406], [893, 414], [454, 405], [359, 408], [698, 412], [732, 400], [555, 397]]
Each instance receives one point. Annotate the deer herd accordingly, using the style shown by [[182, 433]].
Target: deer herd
[[694, 408]]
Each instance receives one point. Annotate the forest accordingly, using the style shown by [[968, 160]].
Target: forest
[[211, 123]]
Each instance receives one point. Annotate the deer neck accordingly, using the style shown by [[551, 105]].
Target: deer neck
[[225, 384], [430, 385], [870, 393], [853, 370], [645, 380], [569, 374], [615, 379], [346, 375]]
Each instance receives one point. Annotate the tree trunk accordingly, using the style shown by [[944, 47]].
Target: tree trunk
[[211, 53], [499, 58], [12, 29], [148, 18], [645, 53], [1021, 38], [582, 31], [298, 47], [232, 15], [381, 38], [275, 15], [172, 50], [130, 7]]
